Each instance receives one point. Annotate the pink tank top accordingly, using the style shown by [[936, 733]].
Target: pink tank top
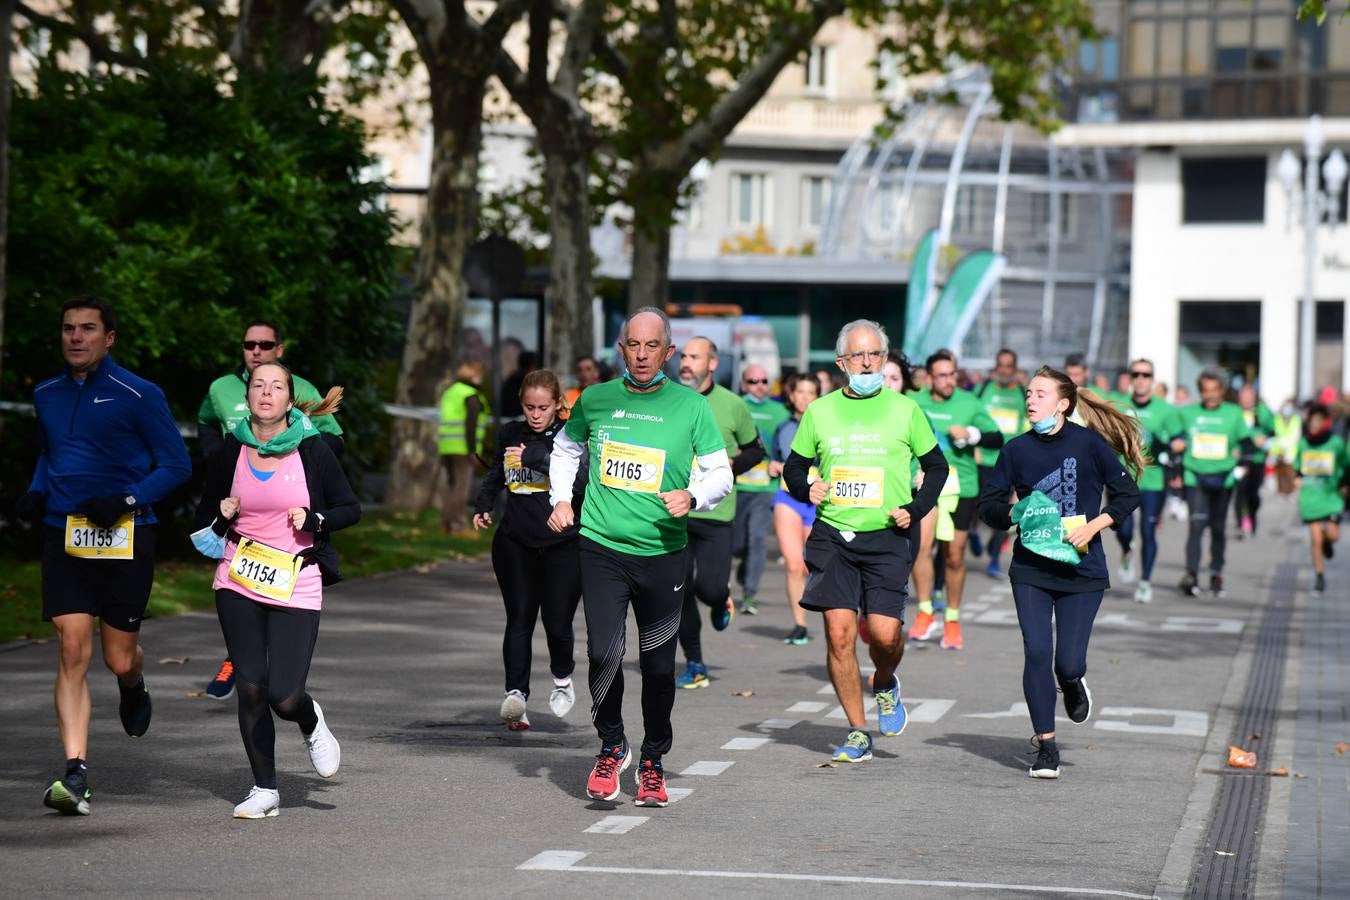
[[263, 507]]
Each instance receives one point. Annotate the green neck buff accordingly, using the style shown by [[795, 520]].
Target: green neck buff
[[298, 428]]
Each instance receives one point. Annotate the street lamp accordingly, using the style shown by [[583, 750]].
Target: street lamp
[[1318, 205]]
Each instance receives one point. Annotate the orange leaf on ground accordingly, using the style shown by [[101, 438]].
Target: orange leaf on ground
[[1241, 759]]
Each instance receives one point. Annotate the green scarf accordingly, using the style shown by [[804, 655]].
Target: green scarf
[[299, 428]]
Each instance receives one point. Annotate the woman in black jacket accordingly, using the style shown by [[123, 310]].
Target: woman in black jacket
[[274, 493], [538, 570]]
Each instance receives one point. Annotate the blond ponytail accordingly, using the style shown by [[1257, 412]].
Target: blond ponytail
[[1119, 430], [327, 406]]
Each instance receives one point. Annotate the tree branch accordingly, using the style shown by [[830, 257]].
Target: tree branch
[[427, 20], [503, 17], [583, 29], [541, 22], [97, 44]]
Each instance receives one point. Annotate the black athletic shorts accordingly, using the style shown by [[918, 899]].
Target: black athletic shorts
[[869, 573], [964, 514], [115, 590]]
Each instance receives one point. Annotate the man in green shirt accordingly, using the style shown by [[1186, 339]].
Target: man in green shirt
[[860, 547], [1260, 422], [1213, 432], [960, 423], [710, 531], [645, 434], [1005, 400], [755, 489]]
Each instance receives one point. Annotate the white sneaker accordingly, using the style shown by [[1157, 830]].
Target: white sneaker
[[1143, 593], [513, 711], [261, 803], [562, 698], [1125, 572], [324, 752]]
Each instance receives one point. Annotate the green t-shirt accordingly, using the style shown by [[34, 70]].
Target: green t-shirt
[[1261, 423], [962, 408], [864, 446], [1158, 421], [1008, 408], [737, 428], [226, 404], [1212, 437], [1321, 467], [768, 415], [641, 444]]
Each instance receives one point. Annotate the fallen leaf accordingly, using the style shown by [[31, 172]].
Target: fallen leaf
[[742, 693], [1254, 737], [195, 694], [1299, 775], [1281, 772], [1224, 853], [828, 765], [174, 660], [1241, 759], [1341, 748]]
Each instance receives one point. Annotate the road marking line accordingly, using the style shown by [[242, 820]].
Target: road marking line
[[869, 704], [777, 724], [616, 824], [708, 767], [746, 743], [678, 794], [826, 689], [566, 861], [808, 706]]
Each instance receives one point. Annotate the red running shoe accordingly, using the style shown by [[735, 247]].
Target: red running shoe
[[651, 784], [609, 764]]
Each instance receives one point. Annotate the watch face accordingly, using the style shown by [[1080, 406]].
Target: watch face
[[130, 500]]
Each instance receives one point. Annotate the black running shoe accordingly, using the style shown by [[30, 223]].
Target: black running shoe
[[797, 635], [135, 709], [1320, 583], [69, 795], [1077, 700], [1047, 759], [1189, 586], [1216, 585]]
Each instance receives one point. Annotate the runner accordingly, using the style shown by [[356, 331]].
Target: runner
[[587, 373], [103, 460], [1260, 422], [755, 489], [960, 424], [1214, 432], [710, 532], [1069, 466], [225, 406], [1159, 425], [463, 433], [792, 519], [1321, 463], [537, 568], [1005, 400], [859, 549], [645, 434], [273, 495]]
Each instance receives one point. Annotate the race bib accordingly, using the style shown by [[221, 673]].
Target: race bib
[[756, 477], [520, 480], [952, 485], [87, 540], [1006, 419], [265, 570], [628, 467], [1318, 462], [1210, 446], [857, 486], [1067, 524]]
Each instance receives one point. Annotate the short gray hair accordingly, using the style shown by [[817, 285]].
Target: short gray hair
[[712, 345], [665, 322], [841, 343]]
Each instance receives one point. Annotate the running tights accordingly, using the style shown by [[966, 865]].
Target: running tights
[[271, 648], [708, 581], [1150, 513], [1058, 651], [536, 580], [1208, 510]]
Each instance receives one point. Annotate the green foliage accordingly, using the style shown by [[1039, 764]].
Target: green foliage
[[193, 210]]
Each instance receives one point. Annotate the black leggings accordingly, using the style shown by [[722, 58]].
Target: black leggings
[[1208, 511], [536, 580], [611, 582], [271, 648], [708, 580], [1058, 653], [1247, 494]]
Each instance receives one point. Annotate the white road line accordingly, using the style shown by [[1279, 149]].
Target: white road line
[[616, 824], [678, 794], [566, 861], [745, 743], [708, 767], [826, 689], [869, 704], [808, 706], [777, 724]]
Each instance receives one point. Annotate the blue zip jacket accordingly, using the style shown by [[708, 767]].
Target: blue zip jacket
[[109, 434]]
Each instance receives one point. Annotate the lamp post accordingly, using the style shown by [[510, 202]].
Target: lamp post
[[1318, 205]]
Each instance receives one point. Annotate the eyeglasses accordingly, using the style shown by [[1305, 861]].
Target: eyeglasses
[[1141, 374], [260, 345], [756, 381], [860, 355]]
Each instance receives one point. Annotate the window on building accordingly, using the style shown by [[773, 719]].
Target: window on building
[[1223, 189], [967, 212], [1040, 214], [751, 199], [820, 71], [815, 200]]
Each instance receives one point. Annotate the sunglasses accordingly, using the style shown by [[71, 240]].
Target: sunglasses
[[260, 345], [1141, 374], [756, 381]]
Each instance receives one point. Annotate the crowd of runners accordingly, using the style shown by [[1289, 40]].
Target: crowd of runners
[[656, 496]]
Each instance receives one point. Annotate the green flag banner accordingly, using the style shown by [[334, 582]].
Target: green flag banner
[[960, 302], [922, 279]]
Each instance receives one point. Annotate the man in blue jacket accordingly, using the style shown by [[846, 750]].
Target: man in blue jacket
[[109, 448]]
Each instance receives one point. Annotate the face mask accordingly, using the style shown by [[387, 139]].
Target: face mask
[[660, 376], [208, 543], [1286, 411], [1046, 425], [865, 384]]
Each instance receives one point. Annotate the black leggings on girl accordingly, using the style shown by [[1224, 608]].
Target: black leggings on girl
[[1050, 656], [535, 581], [271, 648]]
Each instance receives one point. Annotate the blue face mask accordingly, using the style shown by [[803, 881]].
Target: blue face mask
[[865, 384], [1046, 425], [208, 543], [660, 376]]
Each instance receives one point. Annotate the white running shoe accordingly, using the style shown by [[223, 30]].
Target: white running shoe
[[562, 698], [261, 803], [324, 752], [1143, 593], [1126, 570], [513, 711]]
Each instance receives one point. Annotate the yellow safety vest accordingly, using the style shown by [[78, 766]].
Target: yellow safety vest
[[454, 416]]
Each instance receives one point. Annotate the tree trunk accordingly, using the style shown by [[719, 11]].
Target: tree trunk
[[570, 290], [6, 85], [649, 283], [448, 228]]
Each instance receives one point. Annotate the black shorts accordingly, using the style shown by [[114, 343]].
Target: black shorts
[[115, 590], [964, 514], [867, 574]]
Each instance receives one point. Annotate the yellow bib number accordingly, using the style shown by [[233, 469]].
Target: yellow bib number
[[756, 477], [1318, 462], [265, 570], [857, 486], [1210, 446], [1066, 526], [520, 480], [1006, 419], [87, 540], [628, 467]]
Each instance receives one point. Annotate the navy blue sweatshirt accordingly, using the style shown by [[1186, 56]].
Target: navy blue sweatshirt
[[1072, 468], [527, 504], [110, 434]]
